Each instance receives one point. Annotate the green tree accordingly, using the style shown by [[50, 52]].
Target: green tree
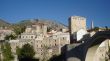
[[96, 28], [6, 52], [26, 53], [18, 50], [18, 29], [12, 36]]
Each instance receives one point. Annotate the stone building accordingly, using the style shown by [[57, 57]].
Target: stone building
[[51, 45], [37, 28], [75, 24], [45, 45], [4, 32], [80, 35]]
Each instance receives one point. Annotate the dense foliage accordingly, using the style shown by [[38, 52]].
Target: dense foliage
[[26, 53], [12, 36], [6, 52], [18, 29]]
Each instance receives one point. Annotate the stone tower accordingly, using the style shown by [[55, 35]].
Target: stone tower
[[76, 23]]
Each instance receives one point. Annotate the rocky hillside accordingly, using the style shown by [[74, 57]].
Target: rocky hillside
[[50, 23], [3, 23]]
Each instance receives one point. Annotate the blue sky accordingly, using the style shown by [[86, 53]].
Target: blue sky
[[59, 10]]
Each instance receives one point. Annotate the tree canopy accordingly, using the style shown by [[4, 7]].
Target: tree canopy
[[6, 52], [26, 53]]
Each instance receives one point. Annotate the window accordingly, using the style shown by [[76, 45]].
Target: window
[[35, 36], [55, 40], [41, 45], [63, 38], [37, 45], [26, 36], [55, 44], [22, 36], [19, 36], [31, 36]]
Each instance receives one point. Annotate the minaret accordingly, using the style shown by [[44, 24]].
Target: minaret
[[92, 24]]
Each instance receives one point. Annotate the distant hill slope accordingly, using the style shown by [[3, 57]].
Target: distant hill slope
[[4, 23], [50, 23]]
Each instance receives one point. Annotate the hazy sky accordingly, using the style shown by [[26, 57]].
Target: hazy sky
[[59, 10]]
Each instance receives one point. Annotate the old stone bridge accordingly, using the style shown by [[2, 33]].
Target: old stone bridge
[[86, 51]]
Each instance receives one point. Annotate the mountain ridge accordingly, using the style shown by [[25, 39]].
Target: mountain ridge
[[50, 23], [55, 25]]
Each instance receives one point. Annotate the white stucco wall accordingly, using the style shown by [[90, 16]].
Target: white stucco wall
[[80, 34]]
